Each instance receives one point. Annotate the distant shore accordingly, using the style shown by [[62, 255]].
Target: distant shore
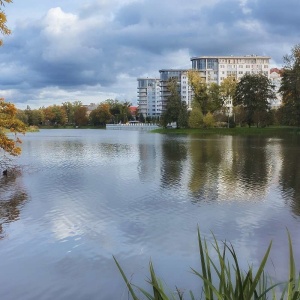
[[245, 131]]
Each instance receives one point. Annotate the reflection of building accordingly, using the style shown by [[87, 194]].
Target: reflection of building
[[275, 77], [149, 101], [184, 89]]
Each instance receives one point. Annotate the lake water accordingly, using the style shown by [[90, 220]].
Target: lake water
[[83, 196]]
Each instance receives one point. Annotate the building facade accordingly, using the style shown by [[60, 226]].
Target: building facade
[[184, 88], [149, 100], [217, 68]]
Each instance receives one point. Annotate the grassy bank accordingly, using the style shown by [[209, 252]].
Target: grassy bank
[[222, 278], [245, 131]]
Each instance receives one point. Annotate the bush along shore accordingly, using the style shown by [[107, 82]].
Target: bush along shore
[[224, 279]]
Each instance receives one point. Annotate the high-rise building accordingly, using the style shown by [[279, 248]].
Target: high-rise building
[[149, 100], [217, 68], [184, 88]]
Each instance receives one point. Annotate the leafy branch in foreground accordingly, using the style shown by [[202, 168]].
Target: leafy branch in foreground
[[225, 279]]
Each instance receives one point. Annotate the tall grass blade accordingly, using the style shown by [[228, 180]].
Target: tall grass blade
[[126, 280]]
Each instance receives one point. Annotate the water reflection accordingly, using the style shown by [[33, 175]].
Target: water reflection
[[12, 198], [94, 194], [290, 174], [174, 154], [205, 158]]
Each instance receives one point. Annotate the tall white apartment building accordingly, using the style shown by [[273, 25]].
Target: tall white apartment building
[[217, 68], [184, 88], [149, 100]]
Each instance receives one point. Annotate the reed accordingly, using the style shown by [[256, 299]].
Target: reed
[[224, 278]]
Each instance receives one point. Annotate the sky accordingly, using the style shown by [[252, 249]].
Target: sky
[[94, 50]]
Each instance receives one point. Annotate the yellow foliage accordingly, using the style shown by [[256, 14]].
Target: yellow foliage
[[3, 20], [9, 127]]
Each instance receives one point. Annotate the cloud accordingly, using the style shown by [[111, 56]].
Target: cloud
[[105, 45]]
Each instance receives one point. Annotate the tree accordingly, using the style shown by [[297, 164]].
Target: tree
[[55, 115], [101, 115], [208, 96], [196, 117], [80, 116], [290, 86], [70, 109], [227, 91], [199, 87], [10, 123], [173, 106], [3, 28], [209, 120], [215, 100], [34, 116], [253, 92]]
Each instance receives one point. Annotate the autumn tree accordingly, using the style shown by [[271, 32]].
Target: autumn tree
[[199, 88], [254, 92], [80, 116], [9, 123], [290, 87], [101, 115], [3, 28], [8, 112], [55, 115], [70, 109]]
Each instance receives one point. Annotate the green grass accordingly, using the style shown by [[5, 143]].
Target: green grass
[[223, 278], [245, 131]]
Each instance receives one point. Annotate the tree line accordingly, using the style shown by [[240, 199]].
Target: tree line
[[250, 97], [77, 114]]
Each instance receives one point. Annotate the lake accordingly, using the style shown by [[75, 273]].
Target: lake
[[82, 196]]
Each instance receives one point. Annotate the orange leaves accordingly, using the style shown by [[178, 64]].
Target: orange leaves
[[3, 28], [9, 127]]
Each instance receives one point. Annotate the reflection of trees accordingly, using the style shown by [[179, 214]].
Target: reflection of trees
[[174, 152], [250, 162], [290, 173], [229, 168], [12, 197], [205, 158], [147, 166]]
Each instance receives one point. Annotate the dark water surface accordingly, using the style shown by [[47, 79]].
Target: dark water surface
[[85, 195]]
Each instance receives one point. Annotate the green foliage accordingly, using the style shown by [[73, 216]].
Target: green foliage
[[101, 115], [208, 97], [253, 92], [209, 120], [195, 118], [290, 87], [223, 277], [174, 104]]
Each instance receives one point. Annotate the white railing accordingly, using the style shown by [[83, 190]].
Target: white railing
[[135, 126]]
